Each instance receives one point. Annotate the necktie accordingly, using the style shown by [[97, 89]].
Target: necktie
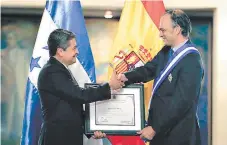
[[170, 53]]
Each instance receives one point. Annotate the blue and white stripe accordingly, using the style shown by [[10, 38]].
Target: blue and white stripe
[[177, 56]]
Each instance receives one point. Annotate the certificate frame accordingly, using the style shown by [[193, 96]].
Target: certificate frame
[[117, 129]]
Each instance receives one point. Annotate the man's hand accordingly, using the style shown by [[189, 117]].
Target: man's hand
[[98, 135], [114, 82], [147, 133], [122, 77]]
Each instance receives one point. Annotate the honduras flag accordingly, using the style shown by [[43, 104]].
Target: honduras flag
[[57, 14]]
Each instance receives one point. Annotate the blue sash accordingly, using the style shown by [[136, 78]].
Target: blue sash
[[173, 61]]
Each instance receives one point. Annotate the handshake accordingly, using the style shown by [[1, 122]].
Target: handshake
[[117, 81]]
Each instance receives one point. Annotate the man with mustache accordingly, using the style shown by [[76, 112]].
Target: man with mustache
[[61, 97]]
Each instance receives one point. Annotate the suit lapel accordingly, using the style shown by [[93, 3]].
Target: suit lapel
[[164, 59], [162, 62], [166, 56], [56, 62], [73, 79]]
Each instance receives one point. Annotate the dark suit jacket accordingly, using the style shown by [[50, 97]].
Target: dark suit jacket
[[173, 108], [62, 104]]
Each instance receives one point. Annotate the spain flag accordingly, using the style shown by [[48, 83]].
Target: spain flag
[[137, 42]]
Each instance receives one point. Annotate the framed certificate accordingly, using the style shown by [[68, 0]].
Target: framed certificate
[[123, 114]]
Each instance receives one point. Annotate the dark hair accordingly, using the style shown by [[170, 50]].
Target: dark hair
[[59, 39], [180, 18]]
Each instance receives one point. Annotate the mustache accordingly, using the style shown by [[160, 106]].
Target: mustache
[[75, 55]]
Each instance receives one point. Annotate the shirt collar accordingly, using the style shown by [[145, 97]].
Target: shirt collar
[[178, 46], [65, 66], [62, 63]]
